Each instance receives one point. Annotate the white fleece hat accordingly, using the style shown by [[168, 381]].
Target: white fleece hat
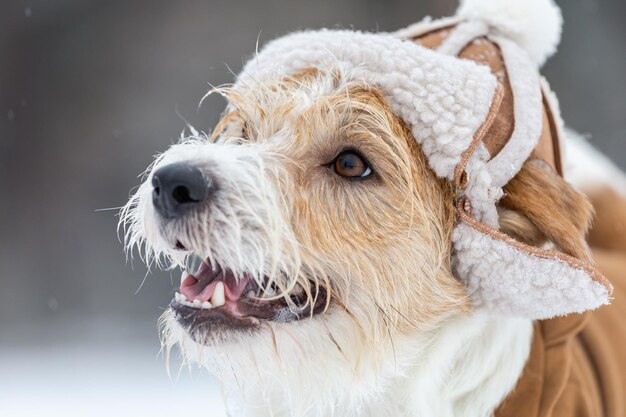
[[449, 103]]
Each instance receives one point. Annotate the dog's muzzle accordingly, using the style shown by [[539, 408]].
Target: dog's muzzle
[[178, 188]]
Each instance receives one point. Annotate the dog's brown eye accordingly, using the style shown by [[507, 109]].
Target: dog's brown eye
[[349, 164]]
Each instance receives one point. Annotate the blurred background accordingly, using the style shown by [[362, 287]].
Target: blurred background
[[89, 91]]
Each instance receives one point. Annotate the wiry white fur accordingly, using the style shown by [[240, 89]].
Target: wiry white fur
[[465, 367], [242, 227], [535, 25]]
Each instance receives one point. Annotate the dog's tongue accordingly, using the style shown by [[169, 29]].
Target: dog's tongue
[[202, 285]]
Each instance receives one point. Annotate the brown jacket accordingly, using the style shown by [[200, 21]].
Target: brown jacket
[[577, 365]]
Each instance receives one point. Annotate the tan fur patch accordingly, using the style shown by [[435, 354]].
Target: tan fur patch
[[546, 208]]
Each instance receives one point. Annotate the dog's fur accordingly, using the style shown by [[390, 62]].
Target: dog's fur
[[398, 336]]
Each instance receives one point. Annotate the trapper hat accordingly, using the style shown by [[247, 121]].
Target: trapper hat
[[448, 79]]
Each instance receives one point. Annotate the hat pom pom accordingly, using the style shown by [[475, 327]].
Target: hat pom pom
[[535, 25]]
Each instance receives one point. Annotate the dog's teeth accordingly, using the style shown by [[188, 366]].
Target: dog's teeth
[[250, 294], [197, 303], [184, 275], [206, 304], [177, 296], [217, 299]]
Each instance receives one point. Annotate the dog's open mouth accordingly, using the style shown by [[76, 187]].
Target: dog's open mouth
[[215, 299]]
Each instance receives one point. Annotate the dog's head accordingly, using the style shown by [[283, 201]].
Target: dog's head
[[310, 202], [325, 239]]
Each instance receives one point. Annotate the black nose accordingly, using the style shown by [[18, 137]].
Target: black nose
[[178, 188]]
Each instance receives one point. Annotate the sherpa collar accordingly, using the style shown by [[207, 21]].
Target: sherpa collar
[[449, 104]]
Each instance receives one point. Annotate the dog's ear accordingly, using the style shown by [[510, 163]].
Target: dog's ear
[[539, 206]]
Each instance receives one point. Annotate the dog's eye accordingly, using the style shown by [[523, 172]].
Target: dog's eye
[[350, 164]]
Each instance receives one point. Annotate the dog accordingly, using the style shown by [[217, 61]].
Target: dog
[[378, 236]]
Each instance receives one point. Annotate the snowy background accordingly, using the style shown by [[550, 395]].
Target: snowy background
[[89, 91]]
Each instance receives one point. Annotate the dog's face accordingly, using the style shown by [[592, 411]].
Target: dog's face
[[317, 217], [325, 240]]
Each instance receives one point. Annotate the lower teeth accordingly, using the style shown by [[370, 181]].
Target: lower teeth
[[182, 299]]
